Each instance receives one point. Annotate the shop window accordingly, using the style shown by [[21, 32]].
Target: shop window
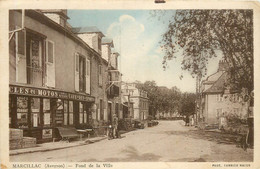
[[70, 112], [65, 112], [85, 116], [35, 109], [46, 112], [80, 113], [22, 112]]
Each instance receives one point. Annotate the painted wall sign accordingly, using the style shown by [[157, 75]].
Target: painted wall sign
[[48, 93], [46, 133]]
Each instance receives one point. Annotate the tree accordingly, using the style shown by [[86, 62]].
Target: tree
[[187, 104], [161, 99], [197, 36]]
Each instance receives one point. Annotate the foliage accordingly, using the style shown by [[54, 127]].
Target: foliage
[[199, 35], [188, 104], [161, 99], [235, 119]]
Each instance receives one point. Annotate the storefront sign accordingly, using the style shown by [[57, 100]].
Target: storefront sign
[[48, 93], [46, 133]]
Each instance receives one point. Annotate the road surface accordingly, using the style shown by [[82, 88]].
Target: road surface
[[170, 141]]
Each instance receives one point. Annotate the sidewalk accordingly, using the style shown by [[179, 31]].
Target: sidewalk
[[55, 146]]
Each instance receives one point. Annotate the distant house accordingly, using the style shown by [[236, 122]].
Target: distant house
[[139, 98], [217, 99]]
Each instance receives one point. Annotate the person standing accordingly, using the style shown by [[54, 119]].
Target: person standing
[[115, 126]]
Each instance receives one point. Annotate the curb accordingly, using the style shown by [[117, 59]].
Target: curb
[[58, 148]]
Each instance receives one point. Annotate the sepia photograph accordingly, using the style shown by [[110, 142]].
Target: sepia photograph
[[107, 86]]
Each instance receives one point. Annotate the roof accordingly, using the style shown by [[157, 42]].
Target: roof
[[219, 85], [106, 40], [90, 29]]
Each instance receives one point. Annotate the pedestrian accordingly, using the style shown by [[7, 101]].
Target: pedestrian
[[187, 120], [115, 126], [192, 121]]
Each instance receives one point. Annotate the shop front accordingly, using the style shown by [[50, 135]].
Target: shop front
[[38, 111]]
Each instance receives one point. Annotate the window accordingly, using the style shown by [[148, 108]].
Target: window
[[22, 112], [85, 113], [82, 74], [100, 75], [35, 109], [88, 76], [70, 112], [34, 61], [219, 97], [76, 72]]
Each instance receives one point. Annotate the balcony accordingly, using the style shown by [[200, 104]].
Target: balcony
[[113, 91]]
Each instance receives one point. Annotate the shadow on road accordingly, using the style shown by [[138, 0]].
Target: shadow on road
[[133, 155], [220, 138]]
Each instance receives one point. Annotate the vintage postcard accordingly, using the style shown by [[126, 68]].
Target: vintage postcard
[[135, 84]]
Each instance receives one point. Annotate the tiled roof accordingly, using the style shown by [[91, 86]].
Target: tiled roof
[[218, 86], [90, 29]]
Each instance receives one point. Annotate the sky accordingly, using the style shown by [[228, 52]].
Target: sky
[[136, 35]]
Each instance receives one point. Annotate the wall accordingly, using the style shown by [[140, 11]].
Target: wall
[[64, 51], [105, 51], [226, 105]]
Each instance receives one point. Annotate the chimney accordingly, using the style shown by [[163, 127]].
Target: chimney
[[222, 65], [107, 44], [113, 60], [90, 35], [57, 15]]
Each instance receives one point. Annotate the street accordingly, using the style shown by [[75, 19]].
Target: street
[[170, 141]]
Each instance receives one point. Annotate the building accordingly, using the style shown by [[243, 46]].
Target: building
[[57, 74], [139, 99], [218, 99]]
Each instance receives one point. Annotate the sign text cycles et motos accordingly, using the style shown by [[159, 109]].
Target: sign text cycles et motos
[[47, 93]]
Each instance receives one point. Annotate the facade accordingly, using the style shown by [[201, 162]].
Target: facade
[[218, 100], [57, 76], [139, 99]]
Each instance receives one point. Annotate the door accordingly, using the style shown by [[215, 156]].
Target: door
[[109, 110]]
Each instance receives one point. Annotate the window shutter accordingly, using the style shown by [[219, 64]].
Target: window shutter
[[76, 71], [21, 69], [87, 76], [50, 64]]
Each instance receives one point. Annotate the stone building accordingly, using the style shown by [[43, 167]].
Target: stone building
[[217, 99], [139, 99], [57, 75]]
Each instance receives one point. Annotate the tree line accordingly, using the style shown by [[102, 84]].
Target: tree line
[[165, 100]]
